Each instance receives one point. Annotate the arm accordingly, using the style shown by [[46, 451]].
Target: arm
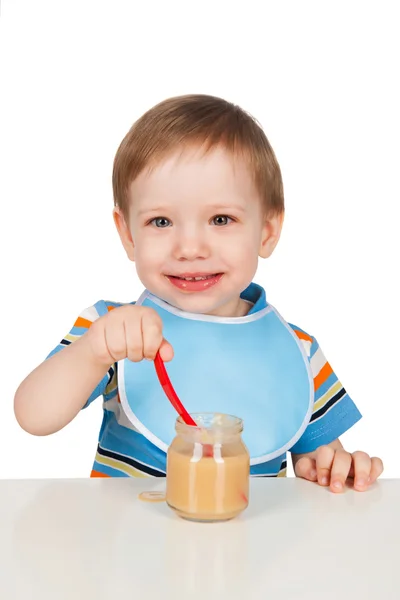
[[54, 393], [319, 455]]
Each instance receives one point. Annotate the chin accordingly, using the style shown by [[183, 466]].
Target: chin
[[200, 305], [190, 303], [193, 305]]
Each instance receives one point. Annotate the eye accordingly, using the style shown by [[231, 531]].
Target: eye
[[221, 220], [161, 222]]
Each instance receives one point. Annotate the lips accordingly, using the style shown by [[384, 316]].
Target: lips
[[194, 282]]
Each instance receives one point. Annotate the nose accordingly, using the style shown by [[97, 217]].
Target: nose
[[191, 244]]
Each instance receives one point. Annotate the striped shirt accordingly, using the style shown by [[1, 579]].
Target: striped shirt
[[124, 452]]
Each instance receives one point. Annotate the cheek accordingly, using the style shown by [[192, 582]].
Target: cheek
[[149, 250], [243, 251]]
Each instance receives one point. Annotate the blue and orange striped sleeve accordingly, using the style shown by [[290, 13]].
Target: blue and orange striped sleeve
[[80, 327], [334, 412]]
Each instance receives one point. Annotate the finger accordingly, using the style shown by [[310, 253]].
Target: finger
[[305, 468], [324, 459], [351, 472], [97, 339], [151, 335], [166, 351], [362, 470], [134, 340], [114, 336], [376, 469], [340, 470]]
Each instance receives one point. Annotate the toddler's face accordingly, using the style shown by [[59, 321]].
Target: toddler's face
[[196, 228]]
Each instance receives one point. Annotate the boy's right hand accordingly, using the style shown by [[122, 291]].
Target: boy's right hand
[[129, 331]]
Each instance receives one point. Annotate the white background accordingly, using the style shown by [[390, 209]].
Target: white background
[[322, 78]]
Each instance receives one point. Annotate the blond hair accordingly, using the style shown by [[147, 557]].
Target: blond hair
[[202, 120]]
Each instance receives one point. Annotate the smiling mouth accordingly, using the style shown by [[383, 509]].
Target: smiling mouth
[[195, 277], [194, 282]]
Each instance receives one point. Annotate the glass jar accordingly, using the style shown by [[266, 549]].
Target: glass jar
[[208, 468]]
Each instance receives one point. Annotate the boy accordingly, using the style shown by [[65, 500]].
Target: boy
[[198, 199]]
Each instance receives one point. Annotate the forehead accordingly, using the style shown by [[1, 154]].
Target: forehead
[[193, 171]]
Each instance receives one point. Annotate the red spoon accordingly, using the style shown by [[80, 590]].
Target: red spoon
[[173, 398], [170, 392]]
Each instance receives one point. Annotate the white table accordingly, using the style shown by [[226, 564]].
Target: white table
[[93, 539]]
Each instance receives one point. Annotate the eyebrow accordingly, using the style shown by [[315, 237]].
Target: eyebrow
[[227, 207], [156, 209]]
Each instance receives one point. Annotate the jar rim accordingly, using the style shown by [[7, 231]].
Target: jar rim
[[211, 421]]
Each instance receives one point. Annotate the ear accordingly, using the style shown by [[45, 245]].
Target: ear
[[271, 233], [124, 233]]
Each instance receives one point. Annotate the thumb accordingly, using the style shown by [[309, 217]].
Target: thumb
[[305, 468], [166, 351]]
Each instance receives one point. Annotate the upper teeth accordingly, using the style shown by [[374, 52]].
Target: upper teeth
[[196, 278]]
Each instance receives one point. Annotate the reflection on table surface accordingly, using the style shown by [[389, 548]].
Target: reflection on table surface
[[95, 538]]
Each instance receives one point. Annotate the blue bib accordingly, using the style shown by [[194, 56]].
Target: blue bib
[[253, 367]]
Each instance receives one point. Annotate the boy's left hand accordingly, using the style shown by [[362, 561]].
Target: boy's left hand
[[331, 465]]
